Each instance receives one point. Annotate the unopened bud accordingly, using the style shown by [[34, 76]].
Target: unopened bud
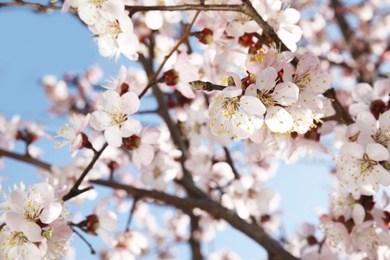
[[205, 36], [171, 77], [132, 142]]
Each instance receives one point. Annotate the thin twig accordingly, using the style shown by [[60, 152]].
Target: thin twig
[[74, 191], [131, 213], [27, 159], [85, 240]]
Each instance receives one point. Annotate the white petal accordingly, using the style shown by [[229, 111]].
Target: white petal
[[32, 231], [352, 149], [278, 120], [130, 127], [107, 46], [108, 221], [101, 205], [99, 121], [88, 14], [286, 93], [266, 79], [13, 220], [113, 136], [130, 103], [154, 20], [377, 152], [252, 105], [366, 122], [185, 90], [50, 213], [358, 214], [128, 44]]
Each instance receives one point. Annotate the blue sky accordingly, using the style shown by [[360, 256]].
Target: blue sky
[[33, 45]]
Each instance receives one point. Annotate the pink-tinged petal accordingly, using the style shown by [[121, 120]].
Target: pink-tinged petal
[[109, 101], [286, 93], [154, 20], [113, 136], [384, 121], [128, 44], [146, 154], [107, 46], [130, 127], [41, 191], [363, 93], [125, 23], [382, 88], [382, 175], [358, 214], [186, 90], [235, 29], [252, 105], [278, 120], [366, 122], [251, 90], [100, 121], [32, 231], [266, 79], [111, 242], [113, 7], [288, 71], [88, 14], [136, 159], [377, 152], [101, 205], [236, 79], [150, 135], [251, 26], [307, 63], [290, 16], [356, 108], [366, 186], [108, 221], [30, 250], [352, 149], [17, 199], [51, 212], [13, 220], [129, 103], [241, 127], [230, 92]]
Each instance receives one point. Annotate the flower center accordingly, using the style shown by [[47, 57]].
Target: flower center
[[366, 164], [265, 98], [382, 137], [97, 3], [230, 106]]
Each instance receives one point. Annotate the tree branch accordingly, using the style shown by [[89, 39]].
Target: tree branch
[[137, 8], [342, 116], [257, 233], [74, 191], [27, 159]]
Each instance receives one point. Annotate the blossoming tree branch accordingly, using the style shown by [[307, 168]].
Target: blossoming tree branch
[[237, 86]]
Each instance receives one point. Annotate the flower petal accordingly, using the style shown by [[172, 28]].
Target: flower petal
[[113, 136], [51, 212]]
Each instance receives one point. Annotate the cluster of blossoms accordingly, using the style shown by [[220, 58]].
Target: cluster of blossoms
[[111, 24], [276, 97], [270, 104], [35, 225]]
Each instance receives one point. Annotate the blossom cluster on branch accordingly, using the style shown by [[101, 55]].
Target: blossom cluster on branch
[[236, 87]]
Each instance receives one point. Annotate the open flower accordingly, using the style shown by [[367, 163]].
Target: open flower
[[274, 98], [233, 115], [359, 169], [113, 118], [73, 134]]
